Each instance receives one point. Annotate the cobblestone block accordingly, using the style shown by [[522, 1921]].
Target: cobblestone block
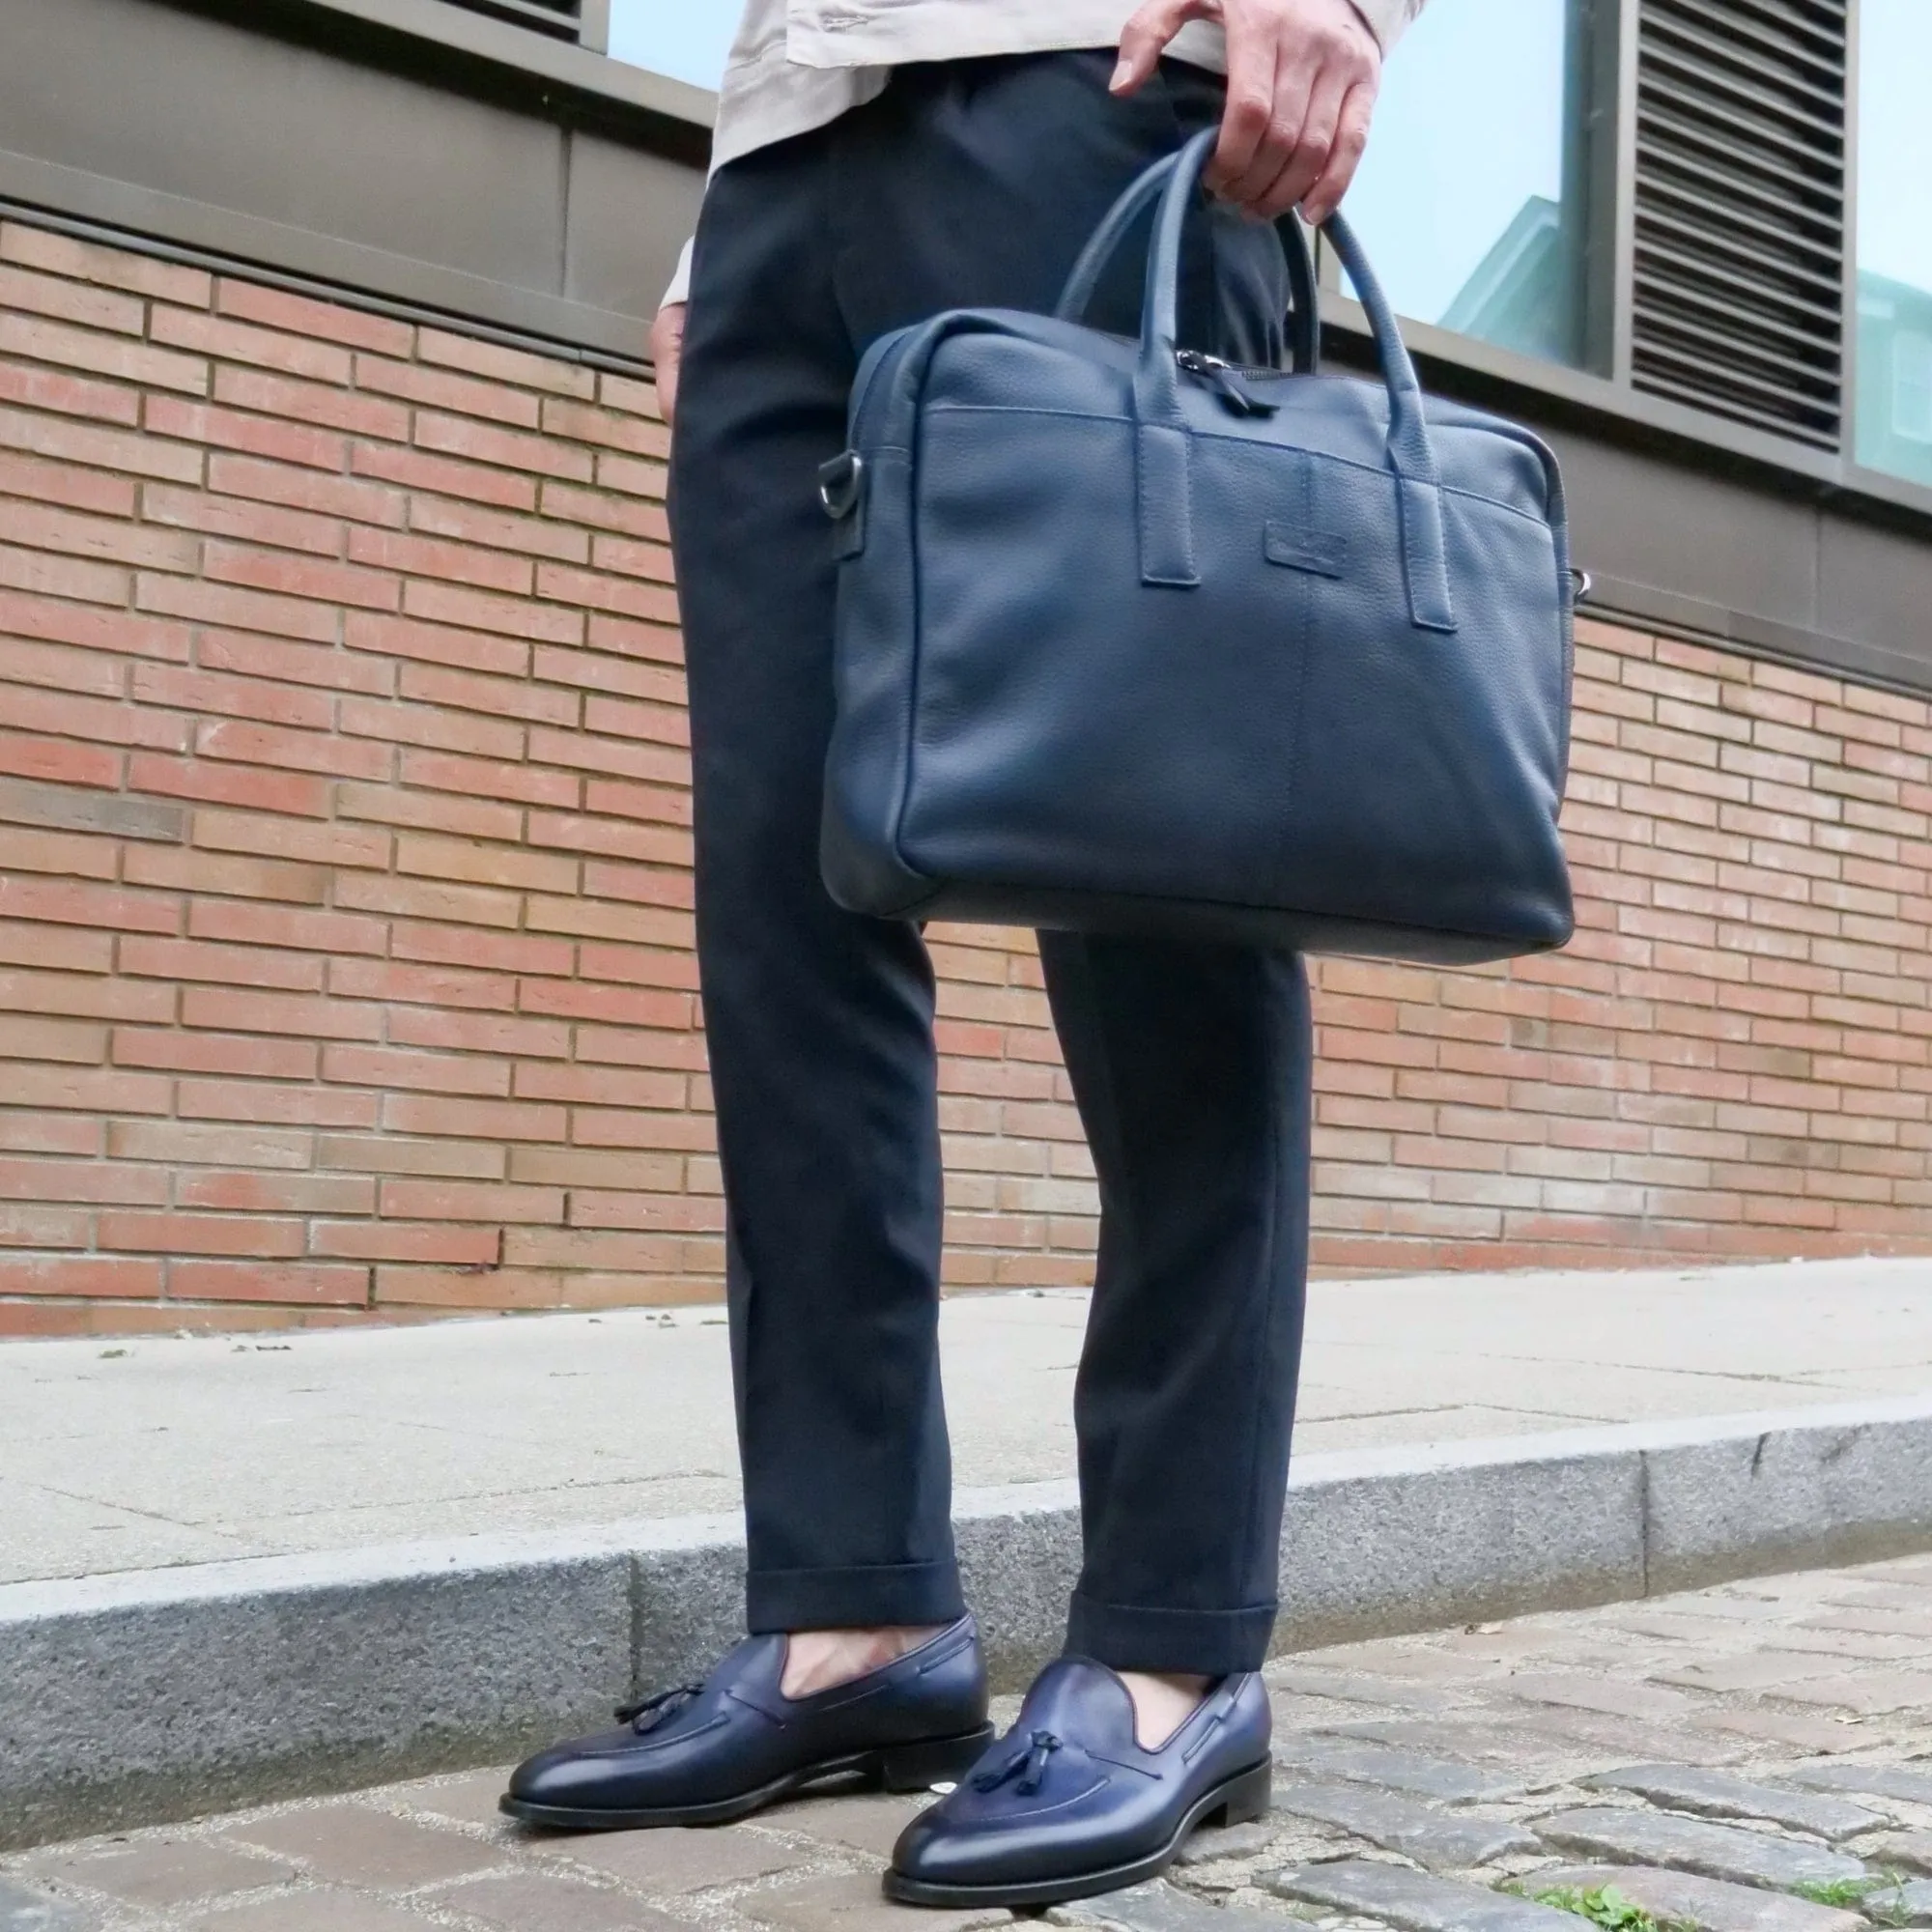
[[1293, 1712], [1853, 1645], [1910, 1625], [1719, 1794], [854, 1903], [1708, 1904], [1398, 1770], [1219, 1842], [1160, 1908], [165, 1871], [1613, 1696], [1783, 1728], [1361, 1689], [353, 1844], [1871, 1692], [1863, 1591], [470, 1801], [1907, 1851], [23, 1909], [1910, 1905], [678, 1858], [310, 1911], [1619, 1741], [1755, 1673], [1406, 1663], [1413, 1901], [548, 1902], [1541, 1758], [1687, 1844], [869, 1825], [1402, 1824], [1876, 1781]]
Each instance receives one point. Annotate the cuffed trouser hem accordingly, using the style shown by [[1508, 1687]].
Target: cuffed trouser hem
[[1209, 1642], [857, 1599]]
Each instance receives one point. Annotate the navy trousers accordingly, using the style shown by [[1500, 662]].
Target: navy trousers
[[967, 183]]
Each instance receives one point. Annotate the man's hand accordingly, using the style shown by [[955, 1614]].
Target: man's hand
[[1301, 86], [667, 349]]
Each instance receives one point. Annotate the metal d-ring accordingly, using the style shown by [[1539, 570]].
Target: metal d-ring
[[840, 484]]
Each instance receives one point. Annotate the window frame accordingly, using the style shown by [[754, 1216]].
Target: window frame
[[1603, 390]]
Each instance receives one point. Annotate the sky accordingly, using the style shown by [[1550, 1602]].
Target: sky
[[1895, 141], [1469, 125], [685, 38]]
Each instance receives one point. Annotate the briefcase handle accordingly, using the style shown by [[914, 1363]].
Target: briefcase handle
[[1303, 326], [1164, 440]]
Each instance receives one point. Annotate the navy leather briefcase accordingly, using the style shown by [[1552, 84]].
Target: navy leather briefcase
[[1132, 641]]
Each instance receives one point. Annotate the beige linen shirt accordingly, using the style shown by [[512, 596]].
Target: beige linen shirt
[[798, 63]]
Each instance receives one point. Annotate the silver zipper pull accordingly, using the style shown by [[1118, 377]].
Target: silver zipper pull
[[1225, 380]]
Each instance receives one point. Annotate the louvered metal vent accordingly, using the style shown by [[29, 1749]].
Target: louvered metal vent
[[557, 18], [1741, 211]]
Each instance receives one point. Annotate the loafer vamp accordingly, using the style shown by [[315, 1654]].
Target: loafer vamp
[[1101, 1814], [616, 1770], [1068, 1793], [737, 1734]]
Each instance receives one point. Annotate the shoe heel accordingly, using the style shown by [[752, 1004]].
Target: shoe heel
[[932, 1761], [1246, 1797]]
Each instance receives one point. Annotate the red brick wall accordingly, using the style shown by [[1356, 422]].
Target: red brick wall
[[345, 966], [1729, 1061]]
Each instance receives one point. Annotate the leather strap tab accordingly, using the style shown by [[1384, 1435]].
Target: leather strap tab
[[1423, 560], [1166, 505]]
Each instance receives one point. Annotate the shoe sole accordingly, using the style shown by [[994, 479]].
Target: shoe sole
[[1235, 1801], [911, 1767]]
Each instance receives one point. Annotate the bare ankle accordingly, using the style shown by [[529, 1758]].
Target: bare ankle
[[822, 1660], [1163, 1701]]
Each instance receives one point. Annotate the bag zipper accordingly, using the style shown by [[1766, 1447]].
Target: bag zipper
[[1227, 381]]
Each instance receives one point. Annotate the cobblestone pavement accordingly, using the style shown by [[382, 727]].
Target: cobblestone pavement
[[1752, 1758]]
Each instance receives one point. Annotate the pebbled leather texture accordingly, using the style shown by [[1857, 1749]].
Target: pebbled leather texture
[[1127, 647], [738, 1736], [1067, 1798]]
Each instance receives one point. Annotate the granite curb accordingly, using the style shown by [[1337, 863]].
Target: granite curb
[[148, 1696]]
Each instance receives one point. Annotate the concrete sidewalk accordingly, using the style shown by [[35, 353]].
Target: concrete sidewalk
[[192, 1450]]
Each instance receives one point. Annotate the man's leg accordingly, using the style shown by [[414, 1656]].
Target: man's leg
[[973, 183], [821, 1052], [1191, 1065], [976, 184], [818, 1021]]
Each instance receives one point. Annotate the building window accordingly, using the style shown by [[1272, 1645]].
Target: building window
[[1471, 199], [1912, 387], [686, 42], [1894, 368]]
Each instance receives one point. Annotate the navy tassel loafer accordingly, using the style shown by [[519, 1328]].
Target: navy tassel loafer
[[1067, 1803], [716, 1751]]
